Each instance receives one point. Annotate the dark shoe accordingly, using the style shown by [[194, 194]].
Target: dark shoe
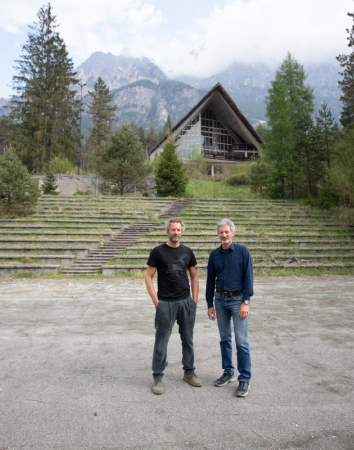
[[192, 378], [242, 389], [224, 379], [157, 387]]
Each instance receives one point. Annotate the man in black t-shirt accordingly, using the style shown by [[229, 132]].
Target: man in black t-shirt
[[173, 301]]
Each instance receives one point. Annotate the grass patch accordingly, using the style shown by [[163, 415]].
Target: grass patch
[[302, 271], [23, 275], [219, 189]]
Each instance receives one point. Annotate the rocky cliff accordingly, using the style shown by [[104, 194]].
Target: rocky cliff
[[117, 71]]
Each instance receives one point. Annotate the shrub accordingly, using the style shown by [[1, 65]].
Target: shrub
[[49, 186], [62, 165], [17, 191], [78, 192], [326, 197], [237, 179]]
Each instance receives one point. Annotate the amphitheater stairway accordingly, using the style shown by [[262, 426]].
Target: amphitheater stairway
[[176, 208], [92, 263]]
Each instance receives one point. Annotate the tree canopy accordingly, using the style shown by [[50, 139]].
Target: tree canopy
[[347, 82], [123, 162], [292, 143], [44, 107], [102, 112], [171, 176], [16, 190]]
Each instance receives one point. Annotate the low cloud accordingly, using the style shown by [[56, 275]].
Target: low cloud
[[314, 31], [265, 30]]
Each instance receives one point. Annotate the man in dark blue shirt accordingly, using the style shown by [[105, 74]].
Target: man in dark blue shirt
[[230, 279]]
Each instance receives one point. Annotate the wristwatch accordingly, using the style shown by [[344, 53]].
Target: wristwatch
[[246, 302]]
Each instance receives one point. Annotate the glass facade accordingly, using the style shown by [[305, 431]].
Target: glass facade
[[207, 134], [189, 138], [215, 137]]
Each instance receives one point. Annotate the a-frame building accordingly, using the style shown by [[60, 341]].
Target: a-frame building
[[217, 129]]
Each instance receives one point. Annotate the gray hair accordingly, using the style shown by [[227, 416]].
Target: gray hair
[[224, 222], [174, 219]]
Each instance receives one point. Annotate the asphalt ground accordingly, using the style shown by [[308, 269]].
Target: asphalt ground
[[75, 369]]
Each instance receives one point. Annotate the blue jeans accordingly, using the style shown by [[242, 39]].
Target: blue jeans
[[227, 308], [184, 311]]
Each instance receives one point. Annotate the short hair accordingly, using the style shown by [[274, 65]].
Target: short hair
[[174, 219], [224, 222]]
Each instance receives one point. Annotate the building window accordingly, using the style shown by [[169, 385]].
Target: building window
[[189, 138], [215, 137]]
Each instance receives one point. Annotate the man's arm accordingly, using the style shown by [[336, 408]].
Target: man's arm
[[150, 272], [194, 282], [210, 289], [247, 283]]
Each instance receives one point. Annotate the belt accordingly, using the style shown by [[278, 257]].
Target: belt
[[230, 294]]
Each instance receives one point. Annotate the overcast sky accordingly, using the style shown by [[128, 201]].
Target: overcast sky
[[191, 37]]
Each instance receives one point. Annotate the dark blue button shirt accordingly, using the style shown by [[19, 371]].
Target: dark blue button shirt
[[229, 270]]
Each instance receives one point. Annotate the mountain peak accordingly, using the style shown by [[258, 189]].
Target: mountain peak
[[117, 70]]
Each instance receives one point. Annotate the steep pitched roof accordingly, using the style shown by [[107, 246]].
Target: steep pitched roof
[[212, 99]]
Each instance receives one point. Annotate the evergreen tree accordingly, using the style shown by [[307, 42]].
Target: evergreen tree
[[167, 129], [171, 176], [49, 186], [102, 112], [44, 107], [259, 175], [347, 82], [16, 190], [6, 126], [123, 162], [289, 110], [312, 157], [151, 138], [341, 172], [140, 132], [329, 131], [279, 137]]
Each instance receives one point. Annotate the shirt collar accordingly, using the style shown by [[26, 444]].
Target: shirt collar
[[232, 247]]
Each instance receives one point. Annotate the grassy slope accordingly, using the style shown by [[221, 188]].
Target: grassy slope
[[211, 189]]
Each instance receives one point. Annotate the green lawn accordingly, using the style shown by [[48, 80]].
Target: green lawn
[[219, 189]]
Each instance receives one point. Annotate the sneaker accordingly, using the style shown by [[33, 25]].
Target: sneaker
[[225, 378], [192, 378], [157, 387], [242, 389]]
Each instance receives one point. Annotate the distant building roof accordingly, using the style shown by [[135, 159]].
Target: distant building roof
[[227, 111]]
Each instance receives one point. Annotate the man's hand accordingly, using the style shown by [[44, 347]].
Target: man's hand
[[243, 311], [211, 313]]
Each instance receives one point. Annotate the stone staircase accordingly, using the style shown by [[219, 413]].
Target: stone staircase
[[176, 208], [95, 258]]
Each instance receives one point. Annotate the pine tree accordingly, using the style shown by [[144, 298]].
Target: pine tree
[[123, 162], [6, 128], [16, 190], [44, 107], [171, 176], [49, 186], [151, 138], [289, 110], [102, 112], [329, 131], [279, 137], [347, 83], [167, 129]]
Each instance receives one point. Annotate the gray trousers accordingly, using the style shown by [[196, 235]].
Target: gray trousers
[[167, 313]]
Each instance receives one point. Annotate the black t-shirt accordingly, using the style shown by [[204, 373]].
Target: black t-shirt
[[171, 264]]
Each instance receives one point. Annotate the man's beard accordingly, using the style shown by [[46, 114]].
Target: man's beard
[[225, 241], [175, 238]]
